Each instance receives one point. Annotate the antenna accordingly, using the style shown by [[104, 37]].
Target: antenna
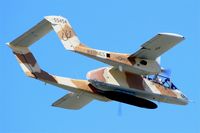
[[119, 109]]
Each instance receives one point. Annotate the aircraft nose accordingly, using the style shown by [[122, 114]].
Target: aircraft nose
[[184, 99]]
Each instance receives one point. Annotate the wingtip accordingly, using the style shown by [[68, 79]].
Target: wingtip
[[54, 16], [8, 44], [172, 34], [56, 19]]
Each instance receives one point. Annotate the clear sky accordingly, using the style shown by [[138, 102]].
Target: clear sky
[[113, 25]]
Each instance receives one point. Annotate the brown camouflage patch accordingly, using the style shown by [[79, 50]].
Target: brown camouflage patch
[[26, 58], [132, 60], [134, 81], [66, 32], [44, 76], [94, 89]]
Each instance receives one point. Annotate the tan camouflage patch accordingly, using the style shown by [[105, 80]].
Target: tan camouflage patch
[[97, 75], [116, 57], [121, 58], [165, 91], [83, 85], [85, 50]]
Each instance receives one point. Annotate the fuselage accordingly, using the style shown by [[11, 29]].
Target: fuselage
[[110, 79]]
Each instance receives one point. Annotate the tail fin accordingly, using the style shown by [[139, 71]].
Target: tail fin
[[27, 61], [58, 23], [20, 48], [64, 31], [20, 45]]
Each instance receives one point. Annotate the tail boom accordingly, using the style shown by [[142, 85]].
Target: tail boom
[[64, 31], [29, 65]]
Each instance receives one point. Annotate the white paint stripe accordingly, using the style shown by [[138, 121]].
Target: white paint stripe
[[28, 68], [65, 81], [71, 43], [151, 87]]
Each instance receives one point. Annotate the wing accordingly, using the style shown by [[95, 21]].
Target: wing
[[157, 46], [73, 101]]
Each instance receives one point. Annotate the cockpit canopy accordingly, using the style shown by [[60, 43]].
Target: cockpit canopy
[[162, 80]]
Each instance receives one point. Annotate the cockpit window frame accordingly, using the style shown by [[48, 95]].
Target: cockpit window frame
[[162, 80]]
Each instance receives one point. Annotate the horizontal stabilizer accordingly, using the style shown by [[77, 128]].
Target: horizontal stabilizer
[[73, 101], [32, 35]]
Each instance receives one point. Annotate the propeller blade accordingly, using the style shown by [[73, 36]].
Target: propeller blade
[[119, 109], [158, 60], [166, 72]]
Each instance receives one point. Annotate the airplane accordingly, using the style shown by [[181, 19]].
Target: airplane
[[135, 79]]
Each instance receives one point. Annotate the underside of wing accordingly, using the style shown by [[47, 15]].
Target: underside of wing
[[73, 101], [157, 46]]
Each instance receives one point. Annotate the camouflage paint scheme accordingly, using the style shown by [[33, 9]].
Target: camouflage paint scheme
[[126, 73], [136, 83], [31, 68]]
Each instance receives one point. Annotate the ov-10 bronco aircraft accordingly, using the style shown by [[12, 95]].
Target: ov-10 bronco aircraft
[[131, 78]]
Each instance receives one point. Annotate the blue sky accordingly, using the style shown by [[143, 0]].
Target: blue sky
[[121, 26]]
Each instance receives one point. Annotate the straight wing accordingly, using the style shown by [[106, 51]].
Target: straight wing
[[157, 46], [73, 101]]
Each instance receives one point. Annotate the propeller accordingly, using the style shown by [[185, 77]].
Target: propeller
[[166, 72]]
